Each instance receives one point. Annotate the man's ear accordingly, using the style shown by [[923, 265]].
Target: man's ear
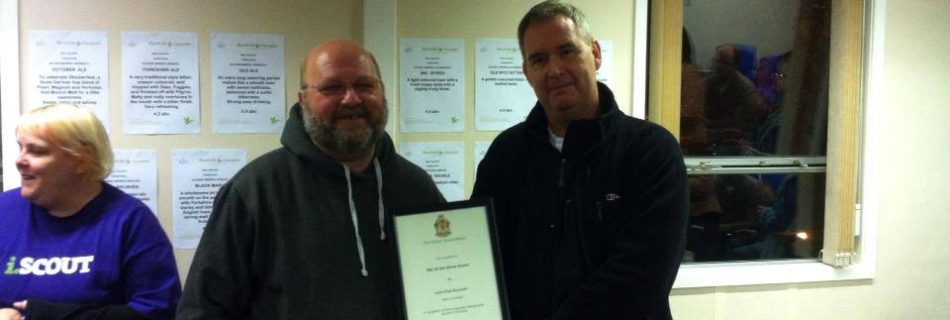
[[595, 49], [524, 71]]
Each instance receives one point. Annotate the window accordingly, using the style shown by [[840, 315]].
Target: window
[[753, 105], [768, 115]]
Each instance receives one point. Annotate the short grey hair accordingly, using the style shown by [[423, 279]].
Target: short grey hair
[[555, 8]]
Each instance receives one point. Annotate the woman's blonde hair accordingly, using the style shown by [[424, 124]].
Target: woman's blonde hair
[[74, 130]]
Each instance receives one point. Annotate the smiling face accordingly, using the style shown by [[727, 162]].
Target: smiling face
[[342, 99], [561, 67], [48, 173]]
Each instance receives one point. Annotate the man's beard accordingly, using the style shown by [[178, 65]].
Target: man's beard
[[324, 133]]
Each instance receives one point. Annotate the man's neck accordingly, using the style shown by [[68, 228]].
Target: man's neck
[[358, 165], [356, 162], [559, 127]]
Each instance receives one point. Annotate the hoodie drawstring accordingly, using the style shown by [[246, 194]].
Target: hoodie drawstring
[[356, 224], [379, 191]]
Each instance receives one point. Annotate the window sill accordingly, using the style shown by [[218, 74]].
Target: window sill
[[698, 275]]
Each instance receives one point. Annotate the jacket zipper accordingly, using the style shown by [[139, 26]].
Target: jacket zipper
[[600, 207], [560, 174]]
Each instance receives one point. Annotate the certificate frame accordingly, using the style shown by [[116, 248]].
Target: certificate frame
[[428, 243]]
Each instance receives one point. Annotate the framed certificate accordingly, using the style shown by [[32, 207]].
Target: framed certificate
[[449, 262]]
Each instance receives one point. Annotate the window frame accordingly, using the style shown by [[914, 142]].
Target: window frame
[[662, 100], [9, 89]]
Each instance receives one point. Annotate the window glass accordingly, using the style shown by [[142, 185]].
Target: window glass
[[755, 216], [755, 78], [754, 103]]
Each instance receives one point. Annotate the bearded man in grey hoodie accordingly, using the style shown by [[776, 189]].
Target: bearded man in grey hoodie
[[302, 231]]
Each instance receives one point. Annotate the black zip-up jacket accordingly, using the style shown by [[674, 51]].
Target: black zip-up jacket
[[595, 231]]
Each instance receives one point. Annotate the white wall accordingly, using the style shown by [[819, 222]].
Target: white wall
[[912, 279], [913, 142], [913, 252]]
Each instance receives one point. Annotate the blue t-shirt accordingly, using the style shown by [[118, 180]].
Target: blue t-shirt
[[112, 252]]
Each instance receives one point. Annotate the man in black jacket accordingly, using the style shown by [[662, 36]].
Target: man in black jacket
[[591, 203]]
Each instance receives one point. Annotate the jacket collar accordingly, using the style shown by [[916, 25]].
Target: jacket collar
[[581, 135]]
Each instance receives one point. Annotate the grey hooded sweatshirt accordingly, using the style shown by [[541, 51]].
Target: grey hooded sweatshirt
[[281, 242]]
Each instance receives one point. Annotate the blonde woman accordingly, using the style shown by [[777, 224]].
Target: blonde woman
[[73, 246]]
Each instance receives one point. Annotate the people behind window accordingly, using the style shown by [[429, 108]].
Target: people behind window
[[770, 80], [733, 106], [723, 113], [694, 134]]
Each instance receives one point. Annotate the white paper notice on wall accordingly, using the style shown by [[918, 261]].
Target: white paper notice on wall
[[444, 161], [135, 172], [197, 174], [503, 96], [70, 67], [160, 83], [432, 85], [247, 83]]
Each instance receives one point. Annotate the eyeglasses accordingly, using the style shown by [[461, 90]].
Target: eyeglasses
[[333, 88]]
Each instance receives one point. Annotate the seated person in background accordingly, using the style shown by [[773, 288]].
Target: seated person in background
[[771, 84], [703, 238], [73, 246], [776, 222], [694, 138], [733, 106], [739, 196]]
